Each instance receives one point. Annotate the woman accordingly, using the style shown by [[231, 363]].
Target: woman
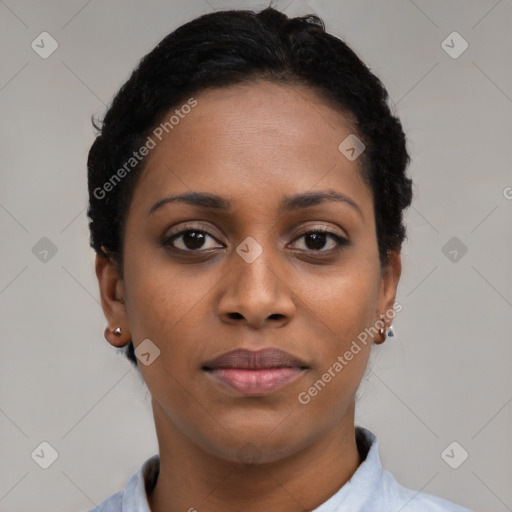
[[246, 196]]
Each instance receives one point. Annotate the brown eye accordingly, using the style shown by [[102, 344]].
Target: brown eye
[[317, 239], [197, 240], [189, 240]]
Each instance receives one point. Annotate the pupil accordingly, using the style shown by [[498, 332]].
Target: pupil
[[318, 239], [193, 239]]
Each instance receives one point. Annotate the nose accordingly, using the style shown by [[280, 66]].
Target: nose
[[256, 294]]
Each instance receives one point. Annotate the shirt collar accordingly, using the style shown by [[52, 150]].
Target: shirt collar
[[366, 481]]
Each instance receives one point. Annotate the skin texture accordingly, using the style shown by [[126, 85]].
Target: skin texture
[[252, 144]]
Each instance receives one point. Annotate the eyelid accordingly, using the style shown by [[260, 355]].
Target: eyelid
[[196, 227], [323, 229], [189, 226]]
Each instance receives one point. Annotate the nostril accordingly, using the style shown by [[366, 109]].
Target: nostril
[[235, 315]]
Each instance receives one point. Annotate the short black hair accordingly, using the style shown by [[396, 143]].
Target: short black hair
[[232, 47]]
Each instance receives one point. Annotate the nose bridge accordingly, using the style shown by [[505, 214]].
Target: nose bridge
[[254, 266], [257, 289]]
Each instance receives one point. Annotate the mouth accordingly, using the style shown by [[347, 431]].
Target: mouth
[[255, 373]]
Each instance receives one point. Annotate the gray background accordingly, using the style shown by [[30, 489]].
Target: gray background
[[445, 377]]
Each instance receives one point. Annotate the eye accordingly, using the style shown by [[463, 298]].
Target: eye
[[193, 239], [316, 239], [189, 240]]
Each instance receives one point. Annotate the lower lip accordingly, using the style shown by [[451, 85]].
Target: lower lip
[[256, 382]]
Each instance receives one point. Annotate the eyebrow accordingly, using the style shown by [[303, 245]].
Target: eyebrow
[[289, 203]]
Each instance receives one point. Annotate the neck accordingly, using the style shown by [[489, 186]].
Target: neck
[[192, 479]]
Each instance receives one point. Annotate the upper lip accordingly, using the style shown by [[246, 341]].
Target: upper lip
[[254, 360]]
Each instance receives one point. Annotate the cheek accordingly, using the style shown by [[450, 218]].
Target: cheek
[[158, 295], [171, 310], [329, 392], [154, 308], [342, 348], [163, 309], [342, 314], [344, 303]]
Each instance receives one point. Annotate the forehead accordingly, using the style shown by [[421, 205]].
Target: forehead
[[253, 141]]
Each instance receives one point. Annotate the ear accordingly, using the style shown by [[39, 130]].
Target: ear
[[390, 276], [112, 300]]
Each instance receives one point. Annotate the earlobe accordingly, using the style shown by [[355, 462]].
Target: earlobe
[[112, 301], [117, 337]]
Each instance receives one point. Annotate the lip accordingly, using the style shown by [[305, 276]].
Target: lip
[[255, 373]]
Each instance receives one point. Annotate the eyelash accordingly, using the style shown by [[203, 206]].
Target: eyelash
[[341, 242]]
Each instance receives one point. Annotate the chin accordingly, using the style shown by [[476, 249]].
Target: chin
[[257, 445]]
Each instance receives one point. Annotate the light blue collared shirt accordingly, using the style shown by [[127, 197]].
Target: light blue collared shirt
[[370, 489]]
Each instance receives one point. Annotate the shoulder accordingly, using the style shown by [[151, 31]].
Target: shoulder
[[373, 486], [410, 500], [113, 503], [133, 498]]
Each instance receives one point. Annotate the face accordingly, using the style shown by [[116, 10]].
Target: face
[[274, 268]]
